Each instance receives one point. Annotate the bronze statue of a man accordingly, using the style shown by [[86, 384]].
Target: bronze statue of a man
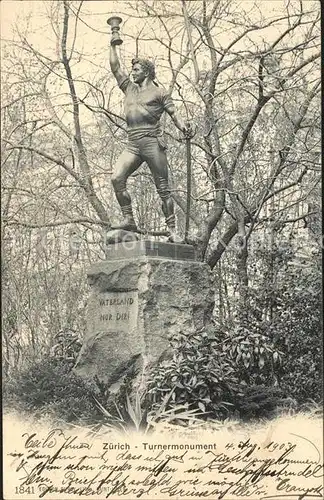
[[145, 103]]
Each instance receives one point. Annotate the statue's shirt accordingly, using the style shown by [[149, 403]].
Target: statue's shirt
[[144, 107]]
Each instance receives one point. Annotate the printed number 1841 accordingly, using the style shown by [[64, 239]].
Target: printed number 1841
[[27, 490]]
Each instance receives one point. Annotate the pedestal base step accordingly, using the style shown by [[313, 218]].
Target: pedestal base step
[[130, 249]]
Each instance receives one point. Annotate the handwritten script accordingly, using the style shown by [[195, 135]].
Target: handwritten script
[[59, 464]]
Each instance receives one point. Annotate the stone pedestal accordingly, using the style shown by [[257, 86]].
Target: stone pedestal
[[138, 303]]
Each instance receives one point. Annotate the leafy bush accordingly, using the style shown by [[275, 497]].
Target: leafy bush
[[280, 344], [204, 374], [294, 330], [256, 357], [49, 387], [299, 329], [67, 345], [199, 373]]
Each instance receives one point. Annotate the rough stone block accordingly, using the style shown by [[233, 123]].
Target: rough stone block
[[135, 306]]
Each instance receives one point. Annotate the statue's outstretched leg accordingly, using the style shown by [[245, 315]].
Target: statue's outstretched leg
[[156, 159], [126, 164]]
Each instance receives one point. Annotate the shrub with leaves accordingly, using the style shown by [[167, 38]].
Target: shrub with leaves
[[67, 345], [199, 373], [255, 354], [298, 328], [49, 387], [280, 342]]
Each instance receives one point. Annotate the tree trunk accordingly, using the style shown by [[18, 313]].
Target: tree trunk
[[243, 284]]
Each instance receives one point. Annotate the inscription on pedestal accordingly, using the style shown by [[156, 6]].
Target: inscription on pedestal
[[117, 311]]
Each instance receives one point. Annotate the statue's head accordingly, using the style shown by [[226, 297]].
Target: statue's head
[[141, 69]]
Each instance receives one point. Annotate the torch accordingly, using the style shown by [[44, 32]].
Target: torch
[[114, 22]]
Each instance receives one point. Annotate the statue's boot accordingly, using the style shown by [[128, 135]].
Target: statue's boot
[[174, 236], [128, 223]]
